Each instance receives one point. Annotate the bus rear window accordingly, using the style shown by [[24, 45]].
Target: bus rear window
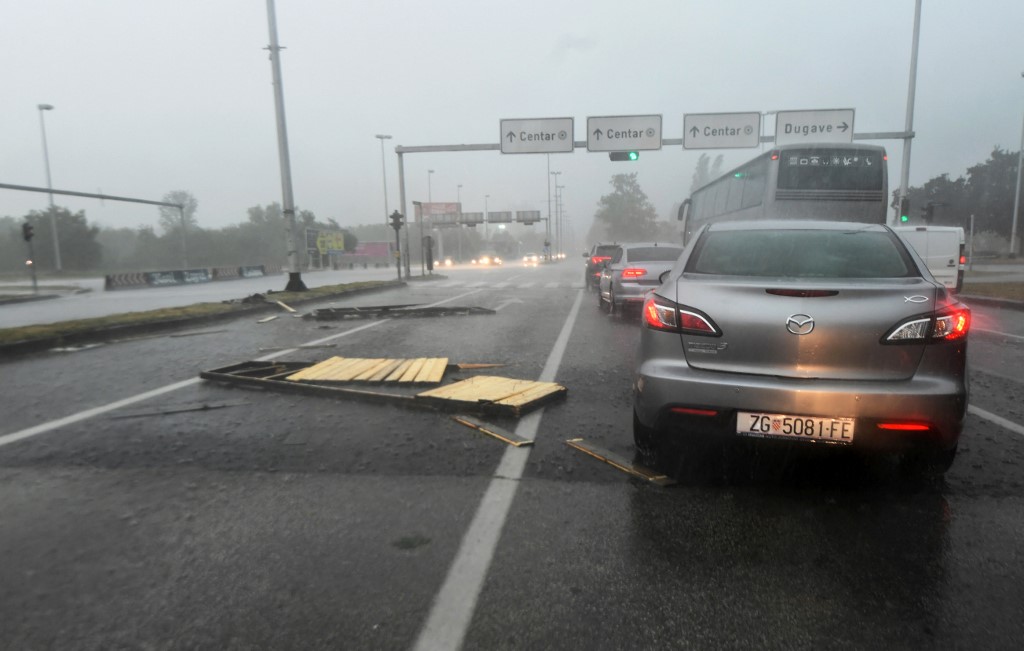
[[830, 169]]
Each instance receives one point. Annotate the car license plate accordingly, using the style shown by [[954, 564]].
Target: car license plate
[[803, 428]]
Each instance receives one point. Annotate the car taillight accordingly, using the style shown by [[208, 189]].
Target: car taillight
[[633, 272], [598, 259], [963, 259], [662, 314], [949, 324]]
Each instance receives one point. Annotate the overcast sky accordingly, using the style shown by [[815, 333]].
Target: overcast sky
[[158, 95]]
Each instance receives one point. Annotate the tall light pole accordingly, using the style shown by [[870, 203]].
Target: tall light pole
[[49, 186], [558, 219], [486, 218], [554, 174], [458, 217], [384, 172], [295, 283], [1016, 194], [911, 89]]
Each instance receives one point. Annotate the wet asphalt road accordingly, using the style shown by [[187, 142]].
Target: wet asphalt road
[[287, 521]]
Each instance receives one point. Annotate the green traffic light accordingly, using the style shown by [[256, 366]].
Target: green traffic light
[[904, 218], [634, 155]]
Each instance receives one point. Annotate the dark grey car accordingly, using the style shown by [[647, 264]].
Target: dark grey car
[[811, 332], [633, 272]]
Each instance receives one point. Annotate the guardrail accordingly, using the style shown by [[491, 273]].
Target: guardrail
[[185, 276]]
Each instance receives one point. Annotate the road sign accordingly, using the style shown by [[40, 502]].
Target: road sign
[[828, 125], [624, 133], [537, 136], [721, 130]]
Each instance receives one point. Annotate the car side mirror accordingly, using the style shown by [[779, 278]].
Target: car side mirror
[[586, 254]]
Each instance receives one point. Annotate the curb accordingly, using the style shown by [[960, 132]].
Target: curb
[[116, 332], [27, 299]]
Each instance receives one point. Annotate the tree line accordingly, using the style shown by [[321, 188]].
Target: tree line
[[90, 248]]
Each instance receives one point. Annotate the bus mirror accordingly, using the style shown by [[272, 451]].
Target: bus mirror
[[684, 209]]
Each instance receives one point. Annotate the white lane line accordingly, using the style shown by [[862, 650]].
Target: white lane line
[[49, 426], [998, 420], [997, 333], [454, 604]]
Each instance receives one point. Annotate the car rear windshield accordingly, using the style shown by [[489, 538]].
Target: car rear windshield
[[801, 254], [606, 250], [653, 254]]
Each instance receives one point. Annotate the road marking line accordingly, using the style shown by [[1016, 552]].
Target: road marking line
[[996, 332], [49, 426], [998, 420], [455, 602]]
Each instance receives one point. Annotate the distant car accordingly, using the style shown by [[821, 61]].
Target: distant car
[[632, 273], [447, 262], [806, 332], [598, 255], [531, 260], [487, 260]]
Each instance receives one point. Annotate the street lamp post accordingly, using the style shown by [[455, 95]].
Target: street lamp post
[[458, 217], [430, 200], [1016, 194], [384, 173], [554, 174], [558, 219], [486, 218], [49, 186]]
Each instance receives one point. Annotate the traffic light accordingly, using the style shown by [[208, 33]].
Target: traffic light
[[928, 213], [28, 231], [396, 220], [624, 155], [904, 210]]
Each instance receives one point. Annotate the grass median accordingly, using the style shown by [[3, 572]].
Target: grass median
[[107, 326]]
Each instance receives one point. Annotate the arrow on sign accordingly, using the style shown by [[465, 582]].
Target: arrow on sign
[[694, 131], [597, 134], [843, 127], [511, 136]]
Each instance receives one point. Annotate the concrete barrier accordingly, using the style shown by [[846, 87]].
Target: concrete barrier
[[125, 281]]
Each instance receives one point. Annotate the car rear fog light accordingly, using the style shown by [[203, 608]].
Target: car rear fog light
[[689, 411], [905, 427], [633, 272]]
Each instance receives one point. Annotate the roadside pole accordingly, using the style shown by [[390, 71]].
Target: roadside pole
[[909, 125]]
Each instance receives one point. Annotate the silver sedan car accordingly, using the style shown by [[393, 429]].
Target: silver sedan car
[[815, 333], [632, 273]]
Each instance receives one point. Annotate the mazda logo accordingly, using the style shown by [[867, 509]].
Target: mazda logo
[[800, 324]]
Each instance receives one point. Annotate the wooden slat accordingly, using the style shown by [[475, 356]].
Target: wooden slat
[[621, 463], [482, 387], [306, 373], [433, 370], [413, 371], [400, 371], [337, 367], [352, 372], [386, 370], [373, 370], [536, 391], [493, 430]]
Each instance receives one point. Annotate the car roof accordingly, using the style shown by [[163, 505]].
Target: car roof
[[792, 224]]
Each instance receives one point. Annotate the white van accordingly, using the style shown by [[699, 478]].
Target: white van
[[941, 248]]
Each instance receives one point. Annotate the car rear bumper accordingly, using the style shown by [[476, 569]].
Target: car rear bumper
[[664, 384]]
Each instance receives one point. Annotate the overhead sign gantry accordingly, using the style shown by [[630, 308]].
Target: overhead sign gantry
[[537, 136]]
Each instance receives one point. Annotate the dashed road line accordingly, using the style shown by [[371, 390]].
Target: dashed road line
[[998, 420], [454, 604]]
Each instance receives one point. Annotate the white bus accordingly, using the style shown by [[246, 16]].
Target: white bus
[[833, 181]]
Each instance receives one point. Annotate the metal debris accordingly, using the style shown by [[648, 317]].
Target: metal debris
[[492, 430], [392, 312], [616, 461], [269, 318], [181, 409]]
